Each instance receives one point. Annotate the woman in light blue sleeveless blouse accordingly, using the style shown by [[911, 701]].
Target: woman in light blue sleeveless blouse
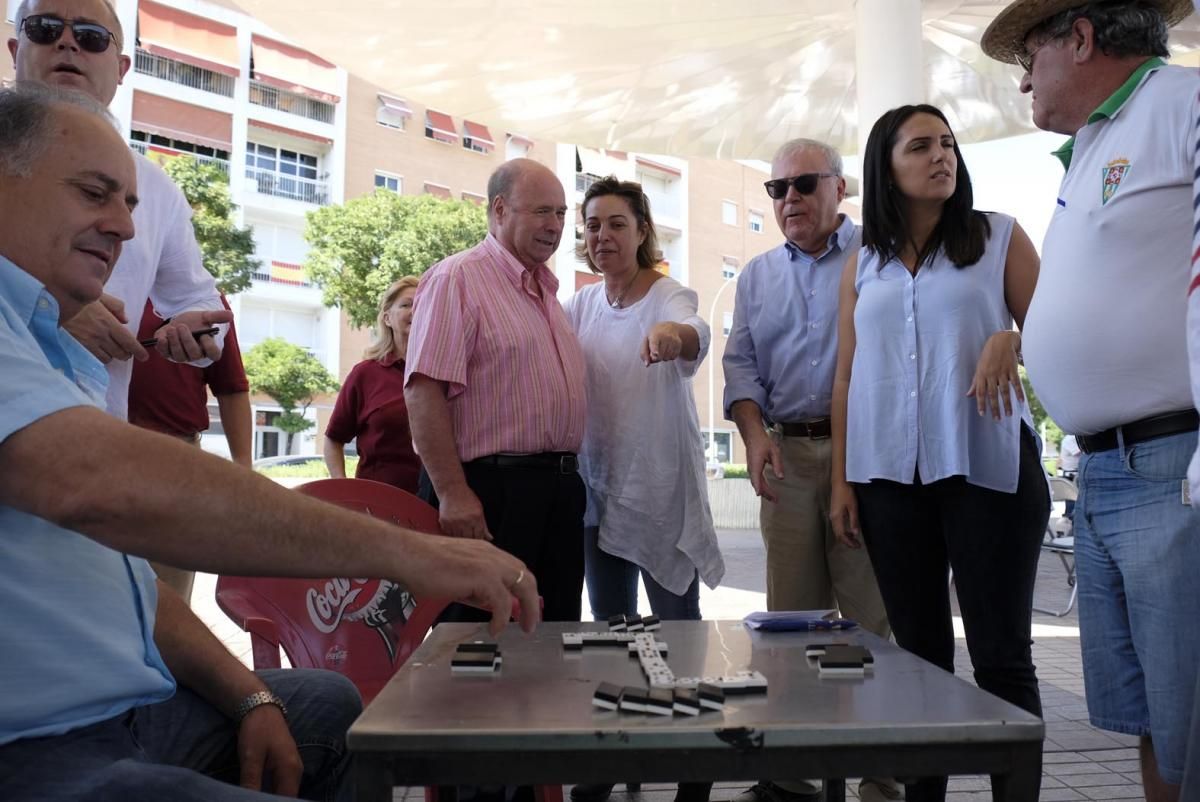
[[935, 462]]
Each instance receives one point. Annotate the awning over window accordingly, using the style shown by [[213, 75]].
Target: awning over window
[[437, 190], [521, 139], [659, 167], [395, 104], [479, 134], [441, 126], [175, 34], [288, 67], [280, 129], [175, 120]]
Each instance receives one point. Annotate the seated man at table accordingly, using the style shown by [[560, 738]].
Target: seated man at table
[[112, 688]]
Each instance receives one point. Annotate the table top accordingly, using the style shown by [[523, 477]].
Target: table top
[[540, 699]]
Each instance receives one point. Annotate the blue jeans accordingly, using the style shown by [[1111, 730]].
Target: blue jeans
[[185, 750], [612, 586], [1137, 562]]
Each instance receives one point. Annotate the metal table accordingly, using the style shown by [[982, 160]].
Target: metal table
[[533, 721]]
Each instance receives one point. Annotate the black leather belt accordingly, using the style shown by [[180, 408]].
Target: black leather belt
[[1140, 430], [818, 429], [559, 461]]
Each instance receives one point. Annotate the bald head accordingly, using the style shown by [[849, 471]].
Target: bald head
[[527, 209]]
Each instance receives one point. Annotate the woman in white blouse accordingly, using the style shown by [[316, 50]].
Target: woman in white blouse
[[935, 462], [642, 457]]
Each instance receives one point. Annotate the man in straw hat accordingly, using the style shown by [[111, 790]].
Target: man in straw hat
[[1111, 365]]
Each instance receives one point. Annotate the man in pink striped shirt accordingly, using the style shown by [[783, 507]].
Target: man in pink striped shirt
[[495, 390]]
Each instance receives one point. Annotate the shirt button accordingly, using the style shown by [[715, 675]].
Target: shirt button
[[812, 292], [814, 325], [910, 318], [43, 303], [812, 398], [912, 356], [813, 362], [913, 394]]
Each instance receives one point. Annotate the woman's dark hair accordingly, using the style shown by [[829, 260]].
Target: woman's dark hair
[[631, 192], [961, 232]]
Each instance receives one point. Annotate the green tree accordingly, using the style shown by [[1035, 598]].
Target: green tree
[[361, 247], [290, 375], [227, 250], [1052, 432]]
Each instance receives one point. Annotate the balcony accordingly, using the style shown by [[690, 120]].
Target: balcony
[[305, 190], [177, 72], [290, 102], [278, 272], [161, 154]]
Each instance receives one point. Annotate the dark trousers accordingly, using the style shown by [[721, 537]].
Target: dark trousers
[[991, 540], [536, 515]]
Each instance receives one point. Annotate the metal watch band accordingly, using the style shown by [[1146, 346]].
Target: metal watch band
[[258, 699]]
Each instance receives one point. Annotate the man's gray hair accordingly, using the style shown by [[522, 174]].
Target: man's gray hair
[[27, 113], [23, 12], [501, 182], [1123, 28], [792, 146]]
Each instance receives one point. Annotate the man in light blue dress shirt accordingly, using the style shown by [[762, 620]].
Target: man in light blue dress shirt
[[112, 688], [779, 364]]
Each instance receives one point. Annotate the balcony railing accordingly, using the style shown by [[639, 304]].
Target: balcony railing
[[291, 102], [150, 149], [177, 72], [305, 190]]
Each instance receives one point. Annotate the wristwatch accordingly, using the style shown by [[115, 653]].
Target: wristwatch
[[258, 699]]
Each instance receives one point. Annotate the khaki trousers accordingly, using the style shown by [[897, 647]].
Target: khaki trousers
[[807, 568], [178, 578]]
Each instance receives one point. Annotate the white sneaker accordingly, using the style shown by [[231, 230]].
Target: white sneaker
[[879, 789]]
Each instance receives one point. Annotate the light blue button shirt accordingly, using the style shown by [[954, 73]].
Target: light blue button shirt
[[918, 341], [78, 637], [782, 350]]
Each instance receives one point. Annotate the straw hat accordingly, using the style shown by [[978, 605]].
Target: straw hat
[[1004, 39]]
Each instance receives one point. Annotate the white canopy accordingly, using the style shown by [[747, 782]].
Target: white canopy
[[711, 78]]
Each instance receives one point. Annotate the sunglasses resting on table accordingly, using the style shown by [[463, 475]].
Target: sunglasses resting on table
[[46, 29], [805, 184]]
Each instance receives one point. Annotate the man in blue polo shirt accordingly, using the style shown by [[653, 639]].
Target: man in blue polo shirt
[[112, 688]]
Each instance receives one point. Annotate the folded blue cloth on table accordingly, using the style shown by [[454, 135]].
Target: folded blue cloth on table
[[797, 620]]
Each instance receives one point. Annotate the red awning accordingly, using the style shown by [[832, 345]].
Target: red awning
[[396, 104], [288, 67], [175, 34], [175, 120], [324, 140], [662, 168], [437, 191], [479, 134], [441, 126]]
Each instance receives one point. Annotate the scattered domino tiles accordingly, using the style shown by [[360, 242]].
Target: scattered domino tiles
[[476, 658], [841, 659], [667, 693]]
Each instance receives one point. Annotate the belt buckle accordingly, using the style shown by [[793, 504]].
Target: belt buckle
[[568, 464]]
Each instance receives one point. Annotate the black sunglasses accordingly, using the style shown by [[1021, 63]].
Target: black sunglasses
[[805, 184], [46, 29]]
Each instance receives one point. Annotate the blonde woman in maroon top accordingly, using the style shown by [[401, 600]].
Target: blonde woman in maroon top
[[371, 405]]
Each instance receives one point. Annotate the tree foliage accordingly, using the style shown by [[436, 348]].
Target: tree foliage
[[290, 375], [361, 247], [227, 249], [1041, 421]]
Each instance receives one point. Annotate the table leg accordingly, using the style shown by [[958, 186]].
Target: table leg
[[372, 783], [1023, 782], [835, 790]]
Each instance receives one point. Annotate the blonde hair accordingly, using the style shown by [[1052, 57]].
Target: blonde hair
[[384, 341]]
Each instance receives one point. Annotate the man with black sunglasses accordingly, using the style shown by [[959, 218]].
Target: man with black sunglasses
[[779, 364], [76, 44]]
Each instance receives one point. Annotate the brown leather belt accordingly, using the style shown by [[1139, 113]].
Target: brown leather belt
[[1140, 430], [818, 429]]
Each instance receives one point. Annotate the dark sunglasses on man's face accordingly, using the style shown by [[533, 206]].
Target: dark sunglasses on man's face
[[46, 29], [805, 184]]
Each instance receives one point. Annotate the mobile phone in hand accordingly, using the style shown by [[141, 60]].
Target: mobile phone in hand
[[211, 332]]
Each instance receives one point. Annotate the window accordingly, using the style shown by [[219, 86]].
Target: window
[[727, 323], [729, 213], [390, 118], [11, 12], [755, 221], [516, 147], [723, 441], [392, 183], [729, 267], [278, 160]]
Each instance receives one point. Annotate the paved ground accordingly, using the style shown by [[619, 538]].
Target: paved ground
[[1081, 762]]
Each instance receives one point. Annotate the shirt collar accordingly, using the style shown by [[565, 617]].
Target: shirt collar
[[23, 292], [392, 359], [1112, 106], [516, 272], [837, 240]]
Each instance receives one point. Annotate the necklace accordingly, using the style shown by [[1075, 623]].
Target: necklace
[[615, 303]]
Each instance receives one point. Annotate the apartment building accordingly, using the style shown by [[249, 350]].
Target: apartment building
[[295, 132]]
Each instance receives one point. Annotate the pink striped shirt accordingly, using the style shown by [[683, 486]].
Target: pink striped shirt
[[496, 334]]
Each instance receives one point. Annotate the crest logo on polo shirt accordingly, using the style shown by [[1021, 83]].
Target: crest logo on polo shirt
[[1114, 173]]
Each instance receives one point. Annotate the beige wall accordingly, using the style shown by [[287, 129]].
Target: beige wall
[[6, 63]]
